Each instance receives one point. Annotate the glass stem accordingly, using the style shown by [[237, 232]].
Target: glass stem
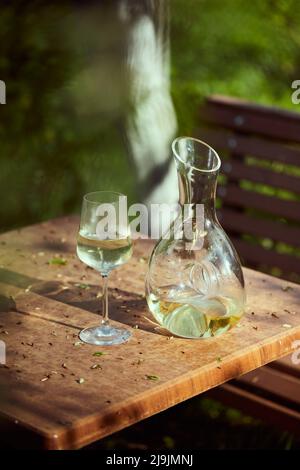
[[105, 320]]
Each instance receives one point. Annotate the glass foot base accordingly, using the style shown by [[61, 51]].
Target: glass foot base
[[104, 335]]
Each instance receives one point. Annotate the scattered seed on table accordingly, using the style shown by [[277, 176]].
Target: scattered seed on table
[[152, 377], [96, 366], [81, 285], [286, 288], [274, 315], [138, 362], [287, 325], [57, 260], [80, 380]]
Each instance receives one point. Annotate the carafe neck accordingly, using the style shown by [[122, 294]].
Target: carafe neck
[[197, 187]]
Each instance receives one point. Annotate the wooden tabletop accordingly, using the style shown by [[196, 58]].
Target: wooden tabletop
[[57, 394]]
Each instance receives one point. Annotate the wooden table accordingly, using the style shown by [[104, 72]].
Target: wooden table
[[43, 306]]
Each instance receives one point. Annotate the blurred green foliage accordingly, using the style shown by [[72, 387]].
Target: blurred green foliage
[[52, 150], [249, 50]]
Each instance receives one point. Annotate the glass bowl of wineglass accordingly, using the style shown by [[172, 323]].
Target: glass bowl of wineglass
[[104, 243]]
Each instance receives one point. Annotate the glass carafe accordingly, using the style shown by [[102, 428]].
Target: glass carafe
[[195, 284]]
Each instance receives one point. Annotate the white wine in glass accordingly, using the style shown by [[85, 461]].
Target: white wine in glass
[[103, 255], [103, 252]]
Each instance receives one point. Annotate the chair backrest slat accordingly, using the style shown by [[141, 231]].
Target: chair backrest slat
[[260, 196], [252, 118], [240, 171], [251, 145], [255, 254], [233, 220], [232, 195]]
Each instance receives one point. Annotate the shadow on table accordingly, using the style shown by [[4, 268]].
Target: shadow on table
[[125, 307]]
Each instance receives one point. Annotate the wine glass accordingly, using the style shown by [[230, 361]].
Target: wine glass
[[104, 243]]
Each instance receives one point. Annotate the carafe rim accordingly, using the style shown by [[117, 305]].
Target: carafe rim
[[204, 144]]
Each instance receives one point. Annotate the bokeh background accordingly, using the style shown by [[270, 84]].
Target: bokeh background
[[62, 130]]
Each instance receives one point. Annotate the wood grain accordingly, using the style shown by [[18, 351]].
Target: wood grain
[[43, 307]]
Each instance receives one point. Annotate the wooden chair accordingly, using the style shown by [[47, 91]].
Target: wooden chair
[[259, 207]]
